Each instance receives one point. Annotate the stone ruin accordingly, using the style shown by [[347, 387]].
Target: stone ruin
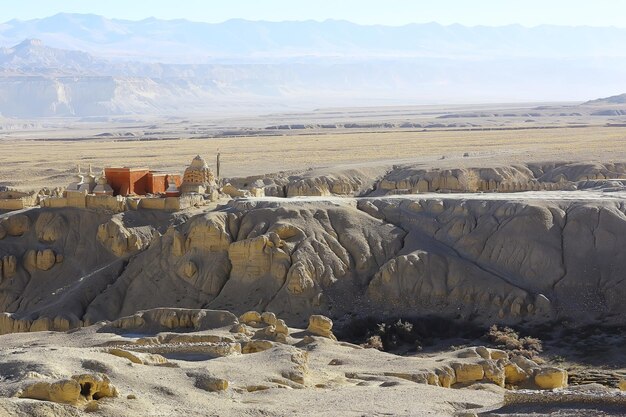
[[198, 177], [199, 185]]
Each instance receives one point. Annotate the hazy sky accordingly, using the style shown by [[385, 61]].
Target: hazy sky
[[388, 12]]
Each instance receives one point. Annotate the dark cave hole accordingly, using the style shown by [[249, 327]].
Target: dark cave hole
[[85, 389]]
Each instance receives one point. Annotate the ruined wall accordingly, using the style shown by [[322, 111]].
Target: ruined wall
[[54, 202], [118, 204], [12, 204], [105, 202], [16, 200], [76, 199]]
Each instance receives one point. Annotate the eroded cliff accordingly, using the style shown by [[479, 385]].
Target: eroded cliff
[[490, 260]]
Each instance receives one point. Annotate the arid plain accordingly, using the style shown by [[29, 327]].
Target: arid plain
[[47, 153]]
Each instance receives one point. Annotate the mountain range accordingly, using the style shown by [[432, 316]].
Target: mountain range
[[85, 65], [183, 41]]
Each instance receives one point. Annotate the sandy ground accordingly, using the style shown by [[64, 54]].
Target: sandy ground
[[32, 164], [170, 391], [340, 380]]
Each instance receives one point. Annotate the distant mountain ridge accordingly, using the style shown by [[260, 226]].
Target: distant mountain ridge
[[39, 81], [86, 65], [617, 99], [31, 56], [34, 57], [183, 41]]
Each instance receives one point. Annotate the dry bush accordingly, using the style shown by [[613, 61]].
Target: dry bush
[[469, 181], [403, 335], [373, 342], [391, 336], [510, 340]]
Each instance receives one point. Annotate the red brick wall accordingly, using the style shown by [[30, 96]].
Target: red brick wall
[[125, 181], [138, 182], [155, 183]]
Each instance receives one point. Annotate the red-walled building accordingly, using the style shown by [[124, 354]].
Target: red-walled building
[[157, 182], [138, 181]]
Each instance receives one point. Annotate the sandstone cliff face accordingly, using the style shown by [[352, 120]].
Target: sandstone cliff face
[[411, 179], [186, 267], [283, 259], [505, 260], [530, 177], [54, 265], [343, 182], [121, 240], [488, 260]]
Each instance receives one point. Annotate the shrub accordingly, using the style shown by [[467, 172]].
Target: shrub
[[373, 342], [390, 336], [405, 334], [469, 181], [508, 339]]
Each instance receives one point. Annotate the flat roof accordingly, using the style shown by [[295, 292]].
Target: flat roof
[[161, 173], [125, 169]]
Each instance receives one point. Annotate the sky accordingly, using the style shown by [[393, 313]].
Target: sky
[[386, 12]]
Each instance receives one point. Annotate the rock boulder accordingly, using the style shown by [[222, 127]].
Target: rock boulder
[[321, 326]]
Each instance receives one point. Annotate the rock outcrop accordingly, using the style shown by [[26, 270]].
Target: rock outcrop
[[234, 192], [120, 240], [495, 366], [60, 323], [282, 259], [16, 225], [77, 390], [551, 378], [208, 383], [321, 326], [52, 270], [529, 177], [345, 182], [50, 227], [139, 357], [174, 318], [503, 260], [41, 259], [8, 267], [230, 364], [468, 372], [411, 179]]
